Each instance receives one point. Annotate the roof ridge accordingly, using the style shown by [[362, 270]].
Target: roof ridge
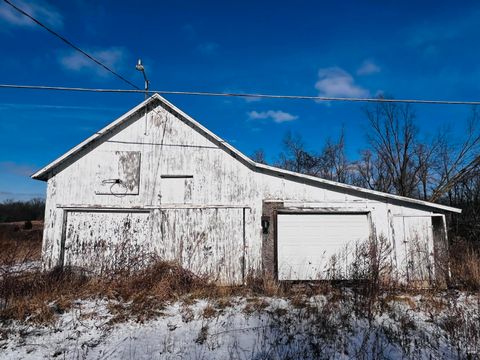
[[43, 173]]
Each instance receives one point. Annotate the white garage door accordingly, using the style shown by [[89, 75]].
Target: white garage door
[[318, 246]]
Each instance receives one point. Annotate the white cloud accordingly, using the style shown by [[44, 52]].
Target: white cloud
[[277, 116], [336, 82], [202, 46], [113, 57], [207, 48], [189, 31], [368, 67], [41, 10]]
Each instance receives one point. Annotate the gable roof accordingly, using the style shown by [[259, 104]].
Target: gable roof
[[47, 171]]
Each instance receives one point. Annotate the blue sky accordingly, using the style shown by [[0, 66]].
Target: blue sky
[[426, 49]]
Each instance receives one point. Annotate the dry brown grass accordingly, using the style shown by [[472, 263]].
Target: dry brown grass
[[209, 312], [38, 297], [405, 299], [264, 285], [255, 304], [140, 295], [223, 303], [18, 244], [465, 265], [298, 301]]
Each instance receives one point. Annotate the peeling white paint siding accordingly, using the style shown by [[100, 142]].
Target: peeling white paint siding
[[208, 241], [52, 233], [174, 149], [218, 228], [104, 240]]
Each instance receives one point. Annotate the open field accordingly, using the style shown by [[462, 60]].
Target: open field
[[18, 242]]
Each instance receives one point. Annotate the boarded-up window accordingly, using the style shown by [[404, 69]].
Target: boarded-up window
[[176, 189], [118, 173]]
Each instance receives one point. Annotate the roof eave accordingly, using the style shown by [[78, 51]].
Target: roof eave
[[359, 189]]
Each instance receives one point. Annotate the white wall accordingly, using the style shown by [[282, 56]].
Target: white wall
[[168, 146]]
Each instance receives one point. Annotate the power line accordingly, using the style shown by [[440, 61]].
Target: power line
[[241, 95], [69, 43], [200, 93]]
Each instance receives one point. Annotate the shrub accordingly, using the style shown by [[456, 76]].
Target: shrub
[[18, 246], [465, 265], [38, 296], [11, 210]]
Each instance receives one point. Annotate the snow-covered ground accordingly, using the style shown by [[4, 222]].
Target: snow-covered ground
[[257, 328], [21, 267]]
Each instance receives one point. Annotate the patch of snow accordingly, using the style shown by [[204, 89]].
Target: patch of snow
[[21, 267], [276, 329]]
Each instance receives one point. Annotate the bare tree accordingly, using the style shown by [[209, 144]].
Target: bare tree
[[395, 148], [398, 160], [333, 163], [259, 156], [456, 159], [425, 159], [371, 173], [296, 158]]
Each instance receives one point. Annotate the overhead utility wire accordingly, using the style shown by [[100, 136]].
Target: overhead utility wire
[[69, 43], [137, 89], [241, 95]]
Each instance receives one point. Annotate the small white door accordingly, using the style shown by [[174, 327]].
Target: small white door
[[414, 248], [318, 246]]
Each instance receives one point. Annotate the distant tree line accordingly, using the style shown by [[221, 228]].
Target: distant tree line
[[398, 160], [11, 210]]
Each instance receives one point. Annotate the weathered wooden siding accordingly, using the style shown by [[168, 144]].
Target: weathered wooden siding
[[205, 225], [104, 240], [208, 241], [166, 149], [415, 247]]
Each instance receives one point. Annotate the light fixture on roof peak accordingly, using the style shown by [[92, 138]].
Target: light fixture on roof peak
[[141, 68]]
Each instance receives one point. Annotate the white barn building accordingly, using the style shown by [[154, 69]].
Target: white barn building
[[156, 180]]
